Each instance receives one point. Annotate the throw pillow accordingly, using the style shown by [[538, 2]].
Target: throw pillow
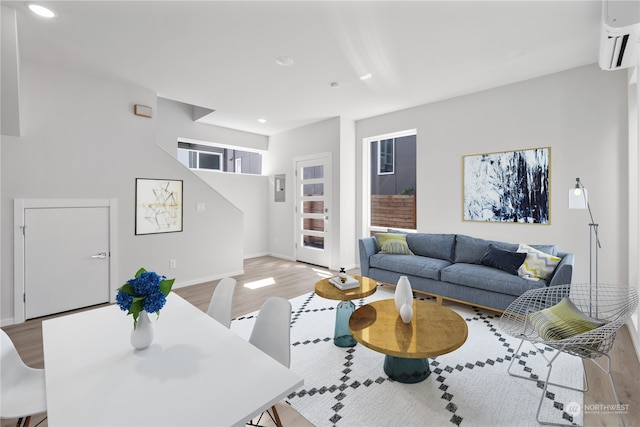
[[537, 264], [561, 321], [393, 243], [503, 259]]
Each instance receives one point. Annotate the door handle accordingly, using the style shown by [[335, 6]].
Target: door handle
[[101, 255]]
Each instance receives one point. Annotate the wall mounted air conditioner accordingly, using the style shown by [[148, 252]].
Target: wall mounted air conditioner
[[620, 40]]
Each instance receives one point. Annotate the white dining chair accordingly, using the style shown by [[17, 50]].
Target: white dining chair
[[22, 389], [272, 334], [222, 301]]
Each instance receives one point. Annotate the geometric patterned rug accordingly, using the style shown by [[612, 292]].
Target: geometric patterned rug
[[468, 387]]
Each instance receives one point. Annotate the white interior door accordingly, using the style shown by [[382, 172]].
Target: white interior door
[[66, 252], [313, 210]]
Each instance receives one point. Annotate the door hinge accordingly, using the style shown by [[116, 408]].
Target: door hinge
[[24, 297]]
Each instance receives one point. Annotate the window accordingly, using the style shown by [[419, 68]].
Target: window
[[392, 190], [386, 155], [219, 158], [200, 159]]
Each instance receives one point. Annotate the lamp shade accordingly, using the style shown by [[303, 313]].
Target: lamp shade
[[578, 198]]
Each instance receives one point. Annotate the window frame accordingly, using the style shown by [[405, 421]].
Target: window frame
[[392, 142], [228, 160]]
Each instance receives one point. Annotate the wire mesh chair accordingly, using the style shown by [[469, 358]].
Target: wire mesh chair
[[607, 305]]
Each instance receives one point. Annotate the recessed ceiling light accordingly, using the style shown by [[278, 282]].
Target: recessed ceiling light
[[366, 76], [262, 120], [334, 84], [42, 11], [285, 61]]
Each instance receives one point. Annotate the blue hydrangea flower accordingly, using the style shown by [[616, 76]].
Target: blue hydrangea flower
[[154, 301], [124, 300], [146, 283]]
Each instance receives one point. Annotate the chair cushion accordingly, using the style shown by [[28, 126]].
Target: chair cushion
[[537, 264], [502, 259], [393, 243], [561, 321]]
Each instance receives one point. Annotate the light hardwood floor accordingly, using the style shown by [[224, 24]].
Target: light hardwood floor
[[292, 279]]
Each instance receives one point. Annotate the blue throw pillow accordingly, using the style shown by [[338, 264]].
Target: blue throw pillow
[[503, 259]]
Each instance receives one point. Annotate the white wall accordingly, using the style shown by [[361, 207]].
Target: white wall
[[321, 137], [80, 139], [248, 193], [634, 195], [10, 78], [175, 120], [347, 192], [580, 114]]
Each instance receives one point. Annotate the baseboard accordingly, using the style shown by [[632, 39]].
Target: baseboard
[[249, 256], [285, 257], [634, 337], [7, 322]]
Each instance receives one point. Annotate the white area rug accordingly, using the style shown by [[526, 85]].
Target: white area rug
[[467, 387]]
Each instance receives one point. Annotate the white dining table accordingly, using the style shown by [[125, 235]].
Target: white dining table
[[195, 373]]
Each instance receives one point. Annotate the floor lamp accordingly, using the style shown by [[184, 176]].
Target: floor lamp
[[579, 199]]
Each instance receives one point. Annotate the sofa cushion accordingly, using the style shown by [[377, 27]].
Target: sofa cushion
[[487, 278], [537, 264], [470, 250], [393, 243], [508, 261], [432, 245], [410, 265]]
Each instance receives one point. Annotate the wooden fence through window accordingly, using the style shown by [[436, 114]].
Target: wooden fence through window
[[393, 211]]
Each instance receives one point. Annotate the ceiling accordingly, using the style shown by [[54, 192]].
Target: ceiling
[[222, 55]]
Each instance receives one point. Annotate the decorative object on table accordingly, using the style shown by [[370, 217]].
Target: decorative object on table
[[158, 206], [406, 312], [342, 273], [145, 293], [404, 293], [142, 335], [344, 283], [579, 199], [510, 186]]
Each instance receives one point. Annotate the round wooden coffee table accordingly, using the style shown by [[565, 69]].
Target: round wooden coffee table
[[434, 330], [342, 337]]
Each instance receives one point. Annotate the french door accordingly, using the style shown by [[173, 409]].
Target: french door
[[313, 210]]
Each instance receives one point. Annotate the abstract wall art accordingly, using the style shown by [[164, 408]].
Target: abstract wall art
[[511, 186], [158, 206]]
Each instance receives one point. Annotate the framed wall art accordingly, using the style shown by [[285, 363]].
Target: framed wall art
[[158, 206], [511, 186]]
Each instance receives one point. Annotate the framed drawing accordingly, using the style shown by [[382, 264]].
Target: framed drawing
[[511, 186], [158, 206]]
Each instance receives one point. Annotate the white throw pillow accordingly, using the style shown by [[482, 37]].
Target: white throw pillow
[[537, 264]]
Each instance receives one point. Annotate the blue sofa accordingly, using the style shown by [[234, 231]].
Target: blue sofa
[[449, 266]]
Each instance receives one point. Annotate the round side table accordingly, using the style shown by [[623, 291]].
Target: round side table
[[342, 336]]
